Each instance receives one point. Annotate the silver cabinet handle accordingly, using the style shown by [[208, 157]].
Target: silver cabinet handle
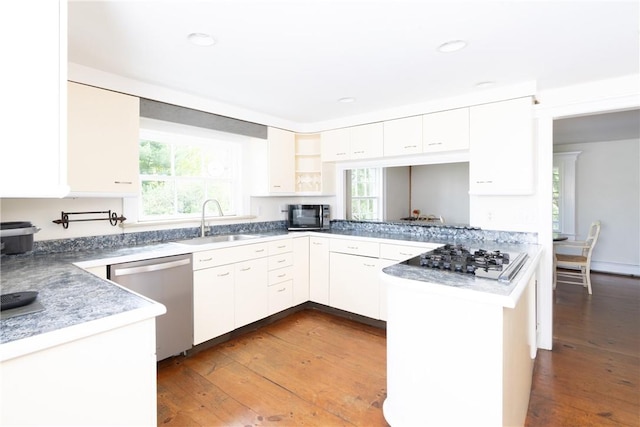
[[435, 143], [259, 250], [282, 290], [150, 268], [223, 274], [123, 182], [245, 269], [205, 259]]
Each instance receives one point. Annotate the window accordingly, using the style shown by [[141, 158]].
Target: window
[[180, 170], [564, 192], [364, 194], [555, 206]]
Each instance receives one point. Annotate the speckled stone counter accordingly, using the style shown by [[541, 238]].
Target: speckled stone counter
[[439, 281], [70, 295], [73, 297]]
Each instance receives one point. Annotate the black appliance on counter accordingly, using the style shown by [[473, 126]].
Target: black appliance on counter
[[308, 217], [16, 237], [497, 265]]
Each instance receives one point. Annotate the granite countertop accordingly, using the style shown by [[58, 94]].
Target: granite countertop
[[73, 297], [468, 286]]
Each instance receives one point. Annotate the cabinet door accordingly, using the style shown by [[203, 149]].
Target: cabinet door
[[366, 141], [33, 146], [335, 145], [501, 148], [103, 134], [319, 270], [300, 270], [281, 161], [250, 291], [445, 131], [355, 284], [403, 136], [383, 288], [213, 303]]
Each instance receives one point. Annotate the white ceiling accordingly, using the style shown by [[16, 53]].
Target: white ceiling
[[292, 60]]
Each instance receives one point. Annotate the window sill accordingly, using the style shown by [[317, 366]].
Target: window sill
[[184, 223]]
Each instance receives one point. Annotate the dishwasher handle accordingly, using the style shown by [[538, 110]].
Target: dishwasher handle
[[149, 268]]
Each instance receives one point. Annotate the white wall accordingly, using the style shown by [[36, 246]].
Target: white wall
[[608, 189], [41, 213], [396, 193], [442, 190]]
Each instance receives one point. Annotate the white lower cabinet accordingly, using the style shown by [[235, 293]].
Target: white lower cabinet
[[300, 270], [355, 284], [251, 291], [319, 270], [213, 302]]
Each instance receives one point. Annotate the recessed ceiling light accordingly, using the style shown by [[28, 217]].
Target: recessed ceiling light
[[347, 100], [482, 85], [201, 39], [452, 46]]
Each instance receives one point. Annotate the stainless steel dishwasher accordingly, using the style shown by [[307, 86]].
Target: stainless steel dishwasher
[[169, 281]]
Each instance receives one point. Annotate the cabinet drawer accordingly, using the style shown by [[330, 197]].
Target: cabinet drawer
[[257, 250], [230, 255], [280, 297], [355, 247], [400, 253], [280, 275], [280, 246], [279, 261], [206, 259]]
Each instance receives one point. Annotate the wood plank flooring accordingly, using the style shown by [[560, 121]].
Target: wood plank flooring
[[310, 368], [317, 369], [592, 376]]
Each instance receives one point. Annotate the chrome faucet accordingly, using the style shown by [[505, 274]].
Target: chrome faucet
[[204, 205]]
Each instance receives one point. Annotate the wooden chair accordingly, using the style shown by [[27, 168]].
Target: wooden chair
[[577, 268]]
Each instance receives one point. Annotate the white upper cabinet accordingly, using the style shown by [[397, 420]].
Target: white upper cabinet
[[366, 141], [336, 145], [281, 161], [501, 148], [358, 142], [445, 131], [103, 135], [403, 136], [33, 147]]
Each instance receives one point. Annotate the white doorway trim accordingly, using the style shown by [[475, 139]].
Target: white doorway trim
[[626, 96]]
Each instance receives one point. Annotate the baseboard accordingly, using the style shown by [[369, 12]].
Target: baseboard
[[615, 268]]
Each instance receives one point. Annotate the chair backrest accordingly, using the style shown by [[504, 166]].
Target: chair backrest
[[592, 238]]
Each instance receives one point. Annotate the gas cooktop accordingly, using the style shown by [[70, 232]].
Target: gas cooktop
[[497, 265]]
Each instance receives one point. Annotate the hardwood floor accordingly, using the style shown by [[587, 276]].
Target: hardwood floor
[[310, 368], [313, 368], [592, 376]]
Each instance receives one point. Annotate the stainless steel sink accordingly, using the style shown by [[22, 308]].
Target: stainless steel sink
[[218, 239]]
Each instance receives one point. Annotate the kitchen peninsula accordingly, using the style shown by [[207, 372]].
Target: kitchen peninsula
[[460, 348]]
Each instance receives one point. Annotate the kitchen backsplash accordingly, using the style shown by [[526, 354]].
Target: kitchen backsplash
[[436, 231], [150, 237]]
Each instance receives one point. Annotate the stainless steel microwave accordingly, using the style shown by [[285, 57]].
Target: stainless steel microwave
[[308, 217]]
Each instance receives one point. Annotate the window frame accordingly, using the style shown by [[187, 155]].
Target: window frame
[[167, 132], [376, 196], [565, 163]]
